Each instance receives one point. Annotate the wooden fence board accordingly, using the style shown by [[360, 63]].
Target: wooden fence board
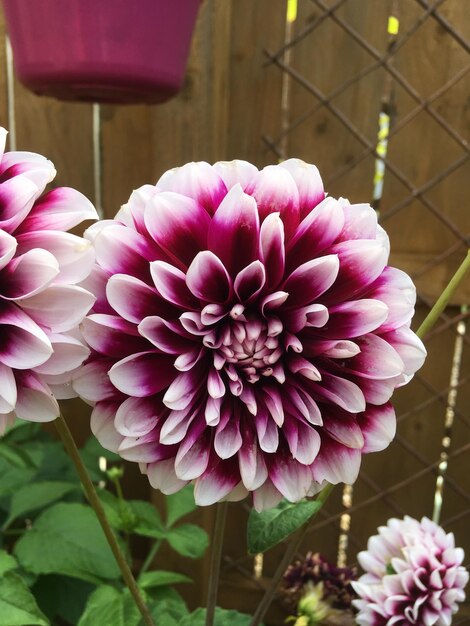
[[60, 131], [255, 91], [141, 142]]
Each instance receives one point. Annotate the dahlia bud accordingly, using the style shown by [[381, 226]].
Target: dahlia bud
[[312, 605]]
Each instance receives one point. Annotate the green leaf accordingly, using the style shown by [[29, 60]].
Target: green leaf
[[62, 596], [268, 528], [164, 616], [22, 431], [7, 562], [223, 617], [149, 522], [120, 514], [188, 540], [168, 612], [110, 607], [16, 455], [17, 604], [159, 578], [111, 508], [51, 460], [37, 495], [67, 539], [179, 504], [168, 602], [153, 533], [13, 477]]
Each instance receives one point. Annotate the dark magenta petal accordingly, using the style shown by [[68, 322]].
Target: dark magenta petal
[[142, 374], [361, 261], [311, 280], [137, 417], [316, 233], [250, 281], [178, 225], [121, 250], [343, 427], [171, 285], [169, 337], [309, 184], [275, 191], [59, 209], [369, 364], [199, 181], [336, 463], [338, 391], [378, 425], [354, 318], [289, 476], [193, 453], [207, 278], [133, 299], [272, 249], [234, 231], [112, 336], [219, 479]]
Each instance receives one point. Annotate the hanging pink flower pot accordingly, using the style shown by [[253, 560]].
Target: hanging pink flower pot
[[118, 51]]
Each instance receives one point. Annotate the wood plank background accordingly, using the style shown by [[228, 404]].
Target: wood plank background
[[229, 102]]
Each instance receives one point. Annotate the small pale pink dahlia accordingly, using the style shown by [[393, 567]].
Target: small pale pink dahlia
[[40, 302], [414, 576], [248, 333]]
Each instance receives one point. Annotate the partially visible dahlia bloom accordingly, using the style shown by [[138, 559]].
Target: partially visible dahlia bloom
[[312, 608], [40, 302], [414, 576], [248, 333], [315, 569]]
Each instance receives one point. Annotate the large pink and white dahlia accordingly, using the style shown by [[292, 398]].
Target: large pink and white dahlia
[[248, 333], [40, 302], [414, 576]]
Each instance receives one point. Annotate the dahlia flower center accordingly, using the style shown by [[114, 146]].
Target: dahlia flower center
[[248, 345]]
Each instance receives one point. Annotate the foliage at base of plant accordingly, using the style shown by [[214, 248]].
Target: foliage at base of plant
[[55, 564]]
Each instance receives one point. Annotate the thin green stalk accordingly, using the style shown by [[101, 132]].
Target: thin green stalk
[[95, 502], [114, 476], [119, 493], [289, 554], [150, 557], [444, 298], [216, 556]]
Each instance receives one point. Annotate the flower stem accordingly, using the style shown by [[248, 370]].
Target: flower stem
[[93, 499], [444, 298], [122, 504], [289, 554], [216, 556], [150, 557]]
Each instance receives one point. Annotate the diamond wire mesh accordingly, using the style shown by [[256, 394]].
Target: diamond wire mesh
[[401, 480]]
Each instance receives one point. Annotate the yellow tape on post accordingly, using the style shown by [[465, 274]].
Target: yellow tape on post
[[291, 10], [393, 25], [381, 149]]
